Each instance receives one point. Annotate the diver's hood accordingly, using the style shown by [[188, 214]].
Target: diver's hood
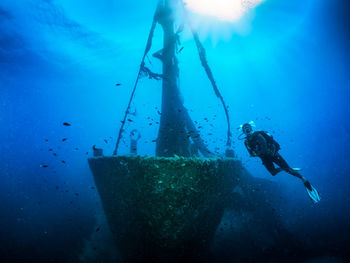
[[251, 123], [240, 128]]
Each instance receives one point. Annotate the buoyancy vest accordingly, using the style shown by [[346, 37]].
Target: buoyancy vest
[[272, 145]]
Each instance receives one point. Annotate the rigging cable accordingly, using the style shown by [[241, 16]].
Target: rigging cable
[[203, 58], [147, 49]]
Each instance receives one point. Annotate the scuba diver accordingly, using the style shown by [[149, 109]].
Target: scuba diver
[[262, 144]]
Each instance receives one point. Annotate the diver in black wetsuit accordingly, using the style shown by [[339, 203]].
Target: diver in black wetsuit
[[263, 145]]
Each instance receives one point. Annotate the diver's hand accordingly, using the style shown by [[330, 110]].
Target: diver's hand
[[272, 151]]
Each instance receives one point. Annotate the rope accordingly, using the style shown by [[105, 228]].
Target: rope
[[203, 58], [147, 49]]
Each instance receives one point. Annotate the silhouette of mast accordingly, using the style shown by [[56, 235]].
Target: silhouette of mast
[[173, 134]]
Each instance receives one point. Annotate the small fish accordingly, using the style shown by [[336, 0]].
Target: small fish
[[44, 165], [64, 139], [63, 161], [77, 149], [180, 49], [87, 153], [118, 84], [154, 140], [130, 120], [76, 194], [66, 124], [46, 140], [50, 150], [105, 141], [92, 188], [98, 229], [159, 112], [54, 154], [150, 124]]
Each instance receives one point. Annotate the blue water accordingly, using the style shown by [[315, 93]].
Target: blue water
[[287, 70]]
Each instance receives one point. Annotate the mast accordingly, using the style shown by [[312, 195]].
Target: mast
[[176, 126], [172, 136]]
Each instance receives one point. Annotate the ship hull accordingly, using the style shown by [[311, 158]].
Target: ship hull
[[164, 209]]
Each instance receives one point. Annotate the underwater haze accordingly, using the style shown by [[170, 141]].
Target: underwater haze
[[285, 65]]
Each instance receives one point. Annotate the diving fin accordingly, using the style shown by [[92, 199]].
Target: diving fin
[[312, 192]]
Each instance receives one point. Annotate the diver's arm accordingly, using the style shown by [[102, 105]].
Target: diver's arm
[[263, 150], [251, 152]]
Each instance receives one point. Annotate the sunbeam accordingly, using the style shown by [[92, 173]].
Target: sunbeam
[[224, 10]]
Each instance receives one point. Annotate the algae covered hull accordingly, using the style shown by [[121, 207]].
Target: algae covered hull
[[163, 209]]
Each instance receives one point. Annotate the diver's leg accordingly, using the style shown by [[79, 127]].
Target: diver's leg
[[268, 163], [278, 159]]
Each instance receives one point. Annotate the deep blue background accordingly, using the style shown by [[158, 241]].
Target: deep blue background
[[287, 69]]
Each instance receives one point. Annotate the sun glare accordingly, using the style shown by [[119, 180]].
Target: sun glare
[[225, 10]]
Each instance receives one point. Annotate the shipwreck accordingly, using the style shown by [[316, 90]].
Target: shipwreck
[[167, 208]]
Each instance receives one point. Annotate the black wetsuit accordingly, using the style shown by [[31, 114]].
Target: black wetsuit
[[268, 162], [263, 145]]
